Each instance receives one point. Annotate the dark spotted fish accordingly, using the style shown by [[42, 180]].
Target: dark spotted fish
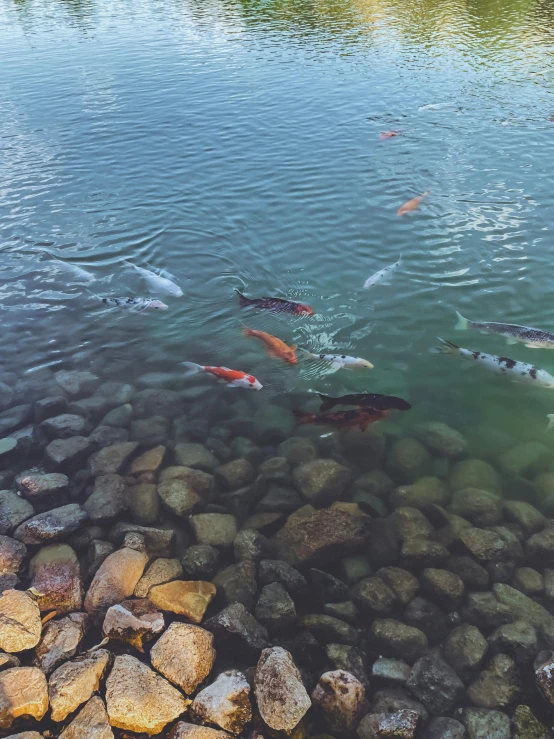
[[277, 305], [516, 371], [360, 418], [365, 400], [533, 338], [135, 304]]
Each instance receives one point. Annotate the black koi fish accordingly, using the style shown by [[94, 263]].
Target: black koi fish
[[278, 305], [365, 400]]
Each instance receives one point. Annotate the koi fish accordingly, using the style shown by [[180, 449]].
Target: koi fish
[[550, 417], [365, 400], [81, 274], [383, 274], [340, 361], [360, 418], [276, 347], [517, 371], [136, 304], [388, 135], [533, 338], [157, 282], [232, 378], [412, 204], [278, 305]]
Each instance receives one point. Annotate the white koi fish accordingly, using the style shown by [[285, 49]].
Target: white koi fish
[[340, 361], [157, 282], [135, 304], [383, 274], [516, 371], [533, 338], [81, 274]]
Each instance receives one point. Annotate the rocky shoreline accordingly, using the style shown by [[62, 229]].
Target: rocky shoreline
[[177, 562]]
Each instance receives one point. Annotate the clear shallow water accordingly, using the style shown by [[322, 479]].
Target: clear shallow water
[[237, 145]]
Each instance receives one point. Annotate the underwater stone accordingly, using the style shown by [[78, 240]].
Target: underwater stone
[[408, 460], [274, 423], [12, 554], [280, 693], [215, 529], [55, 573], [238, 630], [518, 640], [322, 481], [525, 609], [474, 473], [235, 474], [97, 552], [225, 703], [91, 721], [485, 611], [158, 402], [441, 439], [528, 580], [428, 617], [375, 482], [114, 581], [394, 725], [144, 503], [403, 584], [67, 455], [478, 506], [116, 392], [132, 622], [200, 561], [104, 436], [52, 525], [185, 655], [20, 619], [524, 515], [150, 431], [201, 482], [524, 459], [275, 608], [74, 682], [527, 726], [417, 553], [13, 511], [249, 544], [179, 497], [423, 492], [37, 485], [435, 684], [340, 698], [327, 588], [48, 407], [118, 417], [464, 649], [158, 541], [246, 449], [14, 418], [60, 641], [185, 597], [149, 461], [497, 686], [77, 383], [484, 724], [444, 728], [484, 545], [64, 426], [237, 584], [392, 638], [112, 458], [472, 574], [444, 587], [275, 469], [410, 523], [388, 670], [539, 548], [183, 730], [195, 456], [161, 570], [297, 450], [108, 499], [23, 692], [330, 629], [373, 597], [277, 571]]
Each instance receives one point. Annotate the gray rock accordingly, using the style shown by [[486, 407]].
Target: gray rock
[[485, 611], [497, 686], [425, 491], [276, 571], [64, 426], [340, 699], [539, 548], [215, 529], [329, 629], [390, 671], [518, 640], [408, 460], [483, 724], [472, 574], [524, 459], [435, 684], [97, 552], [411, 523], [12, 554], [67, 455], [14, 418], [51, 526], [527, 726], [374, 597], [48, 407], [326, 588], [525, 609], [118, 417], [237, 584], [348, 658], [150, 431], [77, 383], [426, 616], [225, 703], [275, 608], [524, 515], [280, 694], [60, 641], [279, 498], [354, 568], [392, 638], [441, 439], [464, 649], [108, 499], [158, 541], [235, 474], [237, 630], [9, 449], [112, 458], [322, 481], [195, 456], [528, 580], [474, 473], [144, 503], [133, 622], [419, 553], [400, 724], [444, 728], [158, 402], [160, 571], [249, 544], [297, 450], [13, 511], [6, 395], [179, 497], [483, 544], [446, 588], [403, 584], [200, 561], [478, 506], [36, 485], [104, 436]]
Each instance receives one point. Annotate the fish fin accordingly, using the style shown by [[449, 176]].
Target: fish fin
[[308, 354], [129, 264], [243, 300], [192, 368], [399, 259], [550, 417], [327, 403], [293, 347], [303, 416], [462, 323], [335, 366], [246, 331], [529, 346], [511, 341], [447, 347]]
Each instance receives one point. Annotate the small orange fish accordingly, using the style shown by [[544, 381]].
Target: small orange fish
[[412, 204], [275, 346], [388, 134]]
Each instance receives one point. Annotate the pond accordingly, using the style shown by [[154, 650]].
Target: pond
[[187, 152]]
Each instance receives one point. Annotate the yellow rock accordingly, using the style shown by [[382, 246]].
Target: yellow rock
[[188, 598], [23, 692]]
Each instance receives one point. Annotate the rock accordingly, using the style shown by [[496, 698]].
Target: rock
[[48, 407], [200, 561], [150, 431], [53, 525], [441, 439], [235, 474], [67, 455], [524, 515], [483, 724], [483, 544], [158, 401], [111, 459], [497, 686], [13, 511], [179, 497], [91, 722], [23, 692], [249, 545], [390, 671], [55, 573], [340, 697], [133, 622], [20, 621], [12, 554], [185, 597], [8, 660], [97, 552], [60, 641], [14, 418], [274, 423], [329, 629], [523, 608], [322, 536], [161, 570], [348, 658], [36, 486], [322, 481], [74, 682], [26, 735], [484, 611], [144, 503], [158, 541], [105, 436], [389, 700], [539, 548], [373, 597], [77, 383], [478, 506], [402, 583], [473, 575], [139, 700], [195, 456], [275, 469], [528, 580], [474, 473], [149, 461], [464, 649], [524, 459], [201, 482], [225, 703], [435, 684], [275, 608], [279, 498], [215, 529], [297, 450], [64, 427], [526, 725], [108, 499], [428, 618], [394, 639], [183, 730], [276, 571], [446, 588], [396, 725], [184, 655], [423, 492], [410, 523], [444, 728], [118, 417], [418, 553], [544, 670], [237, 630], [114, 581], [518, 640], [408, 460]]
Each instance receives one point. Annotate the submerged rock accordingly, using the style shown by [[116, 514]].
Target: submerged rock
[[67, 455], [225, 703], [91, 722], [474, 473], [341, 699], [60, 641], [183, 730], [408, 460], [12, 554], [133, 621], [483, 724], [394, 639], [20, 620], [435, 684], [322, 481], [185, 655], [115, 580], [280, 693], [498, 685], [187, 598], [395, 725], [55, 573], [74, 682], [441, 439], [215, 529], [238, 630], [77, 383], [111, 459], [108, 499], [13, 511], [23, 692], [53, 525], [464, 649], [161, 570], [39, 485]]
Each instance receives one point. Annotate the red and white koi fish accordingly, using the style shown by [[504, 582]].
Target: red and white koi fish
[[231, 377]]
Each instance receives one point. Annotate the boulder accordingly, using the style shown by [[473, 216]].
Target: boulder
[[185, 655], [435, 684], [51, 526], [340, 698], [74, 682], [20, 620], [23, 692], [140, 700], [225, 703], [115, 580], [55, 573], [91, 722], [60, 641]]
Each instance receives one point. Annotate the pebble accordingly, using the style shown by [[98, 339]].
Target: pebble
[[12, 554], [37, 486], [13, 511], [133, 622], [215, 529], [149, 461], [497, 686], [91, 722], [340, 697], [140, 700], [395, 725], [108, 500], [484, 724], [518, 639], [225, 703], [115, 580], [67, 455], [56, 574], [446, 588], [60, 641], [187, 598], [195, 456], [53, 525], [465, 649], [435, 684], [20, 619], [112, 458], [185, 655], [280, 693], [392, 638], [23, 692], [74, 682], [275, 608], [237, 630], [200, 561]]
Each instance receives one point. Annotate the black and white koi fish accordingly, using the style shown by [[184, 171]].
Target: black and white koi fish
[[533, 338], [135, 304], [383, 274], [339, 361], [516, 371]]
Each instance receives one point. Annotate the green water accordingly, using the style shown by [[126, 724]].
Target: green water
[[236, 144]]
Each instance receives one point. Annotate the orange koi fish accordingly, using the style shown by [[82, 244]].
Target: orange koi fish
[[360, 418], [411, 205], [275, 346], [388, 135]]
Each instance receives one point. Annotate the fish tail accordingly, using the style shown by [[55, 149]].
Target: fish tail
[[462, 323], [447, 347], [191, 368], [130, 264], [550, 417], [327, 403], [243, 300], [247, 331], [304, 416], [94, 295]]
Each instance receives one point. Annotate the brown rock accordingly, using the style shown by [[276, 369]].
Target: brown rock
[[341, 699], [90, 723], [193, 731], [139, 700], [201, 482], [280, 693], [55, 572], [225, 703], [23, 692], [74, 682], [60, 640], [20, 625], [115, 580], [161, 570], [149, 461], [133, 622], [188, 598], [12, 554], [184, 655]]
